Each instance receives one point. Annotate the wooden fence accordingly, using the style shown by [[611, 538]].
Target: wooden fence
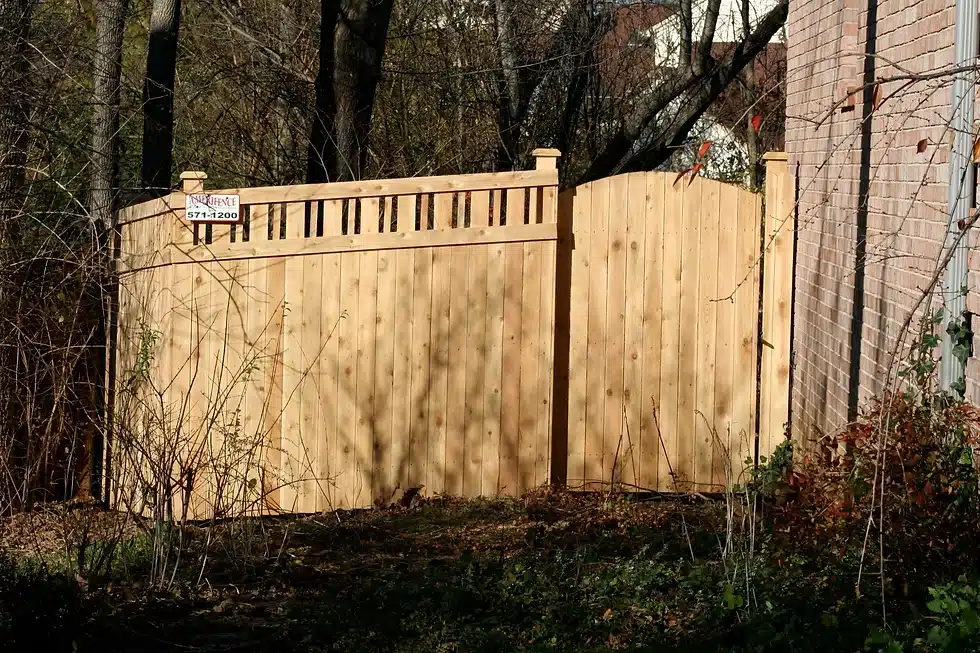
[[345, 340], [658, 356]]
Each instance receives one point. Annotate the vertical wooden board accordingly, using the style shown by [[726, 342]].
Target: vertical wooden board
[[650, 450], [387, 212], [614, 435], [333, 212], [215, 352], [598, 277], [493, 399], [515, 206], [200, 367], [225, 354], [385, 386], [293, 365], [778, 279], [546, 363], [126, 412], [421, 383], [455, 455], [126, 409], [534, 205], [704, 427], [401, 400], [746, 321], [511, 355], [633, 359], [406, 213], [480, 209], [331, 319], [346, 473], [367, 414], [370, 214], [768, 291], [439, 363], [725, 349], [424, 204], [497, 215], [443, 211], [312, 345], [578, 324], [331, 311], [549, 205], [116, 474], [547, 325], [274, 413], [460, 217], [675, 216], [529, 405], [477, 358], [256, 360], [164, 358], [688, 350]]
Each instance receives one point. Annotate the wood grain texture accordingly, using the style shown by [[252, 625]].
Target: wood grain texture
[[384, 354]]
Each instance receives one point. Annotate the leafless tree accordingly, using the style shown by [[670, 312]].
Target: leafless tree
[[353, 34], [106, 72], [15, 103], [158, 97]]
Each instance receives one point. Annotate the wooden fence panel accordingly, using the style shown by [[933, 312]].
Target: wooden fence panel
[[663, 298], [364, 342], [347, 341]]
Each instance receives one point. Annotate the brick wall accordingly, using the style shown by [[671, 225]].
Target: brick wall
[[907, 192]]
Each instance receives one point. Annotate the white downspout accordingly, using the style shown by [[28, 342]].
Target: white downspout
[[962, 183]]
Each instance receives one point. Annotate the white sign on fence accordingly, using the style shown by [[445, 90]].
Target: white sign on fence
[[205, 207]]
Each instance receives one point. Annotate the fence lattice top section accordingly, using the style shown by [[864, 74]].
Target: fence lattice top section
[[347, 216]]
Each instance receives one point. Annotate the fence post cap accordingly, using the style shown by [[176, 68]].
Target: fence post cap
[[546, 158], [192, 181], [546, 152], [775, 156]]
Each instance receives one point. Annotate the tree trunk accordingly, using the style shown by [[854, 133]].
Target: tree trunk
[[110, 22], [158, 97], [15, 106], [361, 35], [107, 70], [509, 110], [321, 158], [752, 173]]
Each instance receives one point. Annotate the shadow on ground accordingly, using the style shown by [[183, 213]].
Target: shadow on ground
[[566, 572]]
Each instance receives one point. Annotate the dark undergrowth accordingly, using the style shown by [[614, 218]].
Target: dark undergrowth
[[867, 543], [554, 571]]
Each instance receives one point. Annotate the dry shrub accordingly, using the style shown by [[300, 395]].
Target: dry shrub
[[901, 481]]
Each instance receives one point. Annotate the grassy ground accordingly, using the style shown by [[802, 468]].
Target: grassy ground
[[548, 572]]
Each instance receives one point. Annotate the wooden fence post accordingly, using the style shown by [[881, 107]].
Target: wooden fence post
[[546, 158], [192, 182], [779, 229]]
